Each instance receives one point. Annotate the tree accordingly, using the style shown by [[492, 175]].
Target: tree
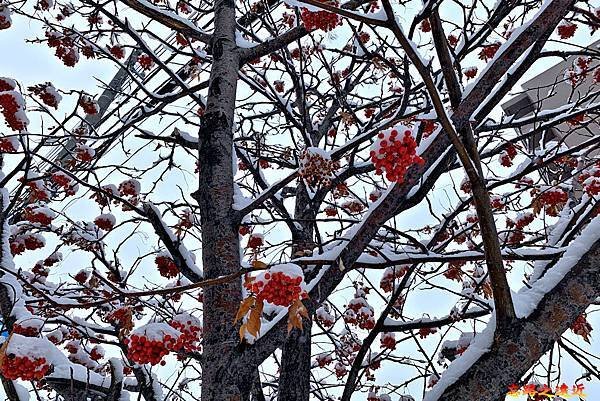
[[318, 132]]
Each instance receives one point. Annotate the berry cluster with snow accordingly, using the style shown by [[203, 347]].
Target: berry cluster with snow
[[394, 152], [280, 285]]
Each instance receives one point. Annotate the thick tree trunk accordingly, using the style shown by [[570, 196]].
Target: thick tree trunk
[[220, 251], [294, 378]]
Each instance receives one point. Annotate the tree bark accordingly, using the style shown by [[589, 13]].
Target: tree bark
[[294, 378], [221, 250], [522, 344]]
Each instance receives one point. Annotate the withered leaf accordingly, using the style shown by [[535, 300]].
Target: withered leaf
[[245, 306]]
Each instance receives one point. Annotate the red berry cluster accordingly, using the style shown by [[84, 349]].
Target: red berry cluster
[[581, 327], [497, 202], [388, 340], [323, 360], [489, 51], [5, 20], [279, 86], [66, 50], [166, 266], [364, 37], [129, 188], [553, 200], [82, 276], [507, 155], [317, 168], [522, 221], [9, 145], [323, 20], [359, 312], [330, 211], [142, 350], [84, 153], [341, 190], [62, 180], [89, 105], [12, 105], [23, 367], [277, 288], [47, 93], [97, 353], [255, 241], [190, 332], [39, 215], [428, 127], [375, 195], [465, 186], [393, 155], [20, 243], [340, 370], [566, 29], [425, 25], [452, 40], [470, 72], [425, 331], [590, 179], [324, 317], [117, 51], [390, 276], [105, 222], [353, 206], [119, 316], [26, 330], [145, 61]]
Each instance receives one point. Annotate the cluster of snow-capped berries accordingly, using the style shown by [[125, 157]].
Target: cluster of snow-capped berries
[[166, 266], [489, 51], [47, 94], [23, 367], [353, 206], [391, 275], [142, 350], [394, 152], [507, 155], [145, 61], [26, 330], [324, 20], [324, 317], [130, 188], [89, 105], [373, 396], [105, 221], [23, 242], [255, 240], [9, 144], [553, 200], [39, 214], [12, 105], [590, 179], [281, 285], [359, 312], [566, 29], [66, 49], [316, 167], [388, 340], [190, 329], [5, 20]]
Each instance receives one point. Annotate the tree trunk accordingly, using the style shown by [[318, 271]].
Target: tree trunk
[[294, 378], [220, 251]]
